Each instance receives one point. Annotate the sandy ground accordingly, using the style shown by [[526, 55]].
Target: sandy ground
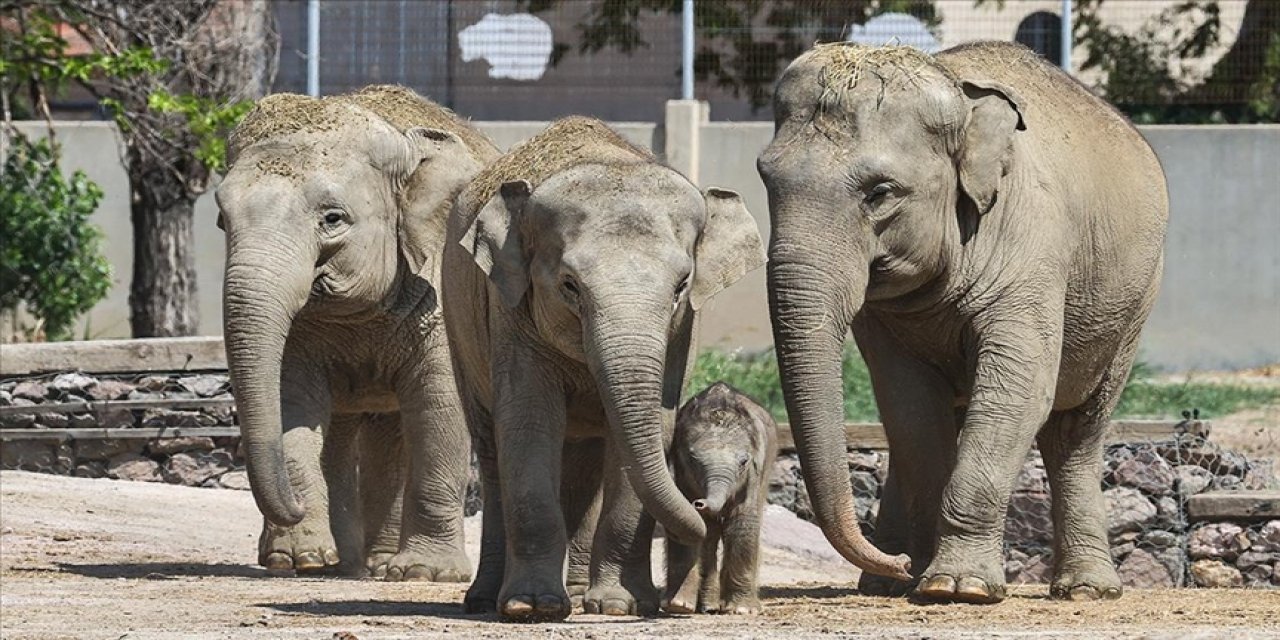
[[107, 559]]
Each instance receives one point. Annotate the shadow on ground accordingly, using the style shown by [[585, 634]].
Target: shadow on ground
[[816, 592], [164, 570], [375, 608]]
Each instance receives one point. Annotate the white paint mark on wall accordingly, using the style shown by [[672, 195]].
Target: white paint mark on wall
[[884, 28], [516, 46]]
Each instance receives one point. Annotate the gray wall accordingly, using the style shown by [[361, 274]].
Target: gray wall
[[1219, 305]]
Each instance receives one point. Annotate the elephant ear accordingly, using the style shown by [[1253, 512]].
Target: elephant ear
[[493, 240], [986, 154], [439, 166], [728, 248]]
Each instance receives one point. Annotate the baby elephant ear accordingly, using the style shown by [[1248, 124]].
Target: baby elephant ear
[[439, 165], [995, 114], [729, 247], [493, 240]]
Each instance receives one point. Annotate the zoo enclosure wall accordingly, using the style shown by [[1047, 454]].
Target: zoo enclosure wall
[[1219, 303]]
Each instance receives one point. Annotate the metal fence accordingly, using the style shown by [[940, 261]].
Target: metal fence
[[621, 59]]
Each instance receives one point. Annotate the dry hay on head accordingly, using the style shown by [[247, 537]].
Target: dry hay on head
[[563, 145], [404, 109], [844, 64], [282, 114]]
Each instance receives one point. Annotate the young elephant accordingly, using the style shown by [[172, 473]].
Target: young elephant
[[574, 269], [993, 234], [723, 448], [334, 211]]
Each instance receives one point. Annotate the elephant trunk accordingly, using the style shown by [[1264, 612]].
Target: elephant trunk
[[626, 351], [810, 317], [718, 487], [262, 292]]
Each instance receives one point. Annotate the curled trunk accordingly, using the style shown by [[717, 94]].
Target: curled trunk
[[626, 350], [809, 325]]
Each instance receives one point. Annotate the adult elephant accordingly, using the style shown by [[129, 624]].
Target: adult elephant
[[334, 211], [574, 271], [992, 234]]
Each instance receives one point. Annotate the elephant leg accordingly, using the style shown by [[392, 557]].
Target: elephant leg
[[482, 596], [381, 489], [739, 587], [437, 471], [1017, 371], [917, 405], [339, 461], [309, 545], [1072, 444], [529, 417], [621, 573], [684, 578], [580, 499], [709, 570]]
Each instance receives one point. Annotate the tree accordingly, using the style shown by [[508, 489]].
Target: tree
[[193, 68], [743, 44]]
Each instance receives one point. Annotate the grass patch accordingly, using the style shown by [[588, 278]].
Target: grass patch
[[756, 374]]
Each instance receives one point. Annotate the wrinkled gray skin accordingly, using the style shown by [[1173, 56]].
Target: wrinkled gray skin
[[335, 346], [723, 448], [992, 233], [571, 308]]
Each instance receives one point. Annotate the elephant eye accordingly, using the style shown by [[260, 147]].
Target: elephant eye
[[333, 217], [743, 459], [681, 289], [878, 192], [570, 287]]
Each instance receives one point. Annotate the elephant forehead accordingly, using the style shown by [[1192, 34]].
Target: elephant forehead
[[626, 201]]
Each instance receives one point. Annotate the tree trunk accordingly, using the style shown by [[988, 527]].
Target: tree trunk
[[162, 297]]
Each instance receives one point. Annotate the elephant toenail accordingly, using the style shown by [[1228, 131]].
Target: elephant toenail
[[1111, 593], [1083, 592], [308, 560], [938, 586], [417, 573], [331, 557], [278, 562], [973, 587], [517, 606], [449, 575], [550, 605], [616, 608]]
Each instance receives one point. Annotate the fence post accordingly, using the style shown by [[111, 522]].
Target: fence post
[[683, 129], [313, 48], [1067, 38], [686, 51]]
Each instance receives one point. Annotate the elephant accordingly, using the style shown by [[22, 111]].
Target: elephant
[[992, 235], [723, 448], [574, 269], [334, 211]]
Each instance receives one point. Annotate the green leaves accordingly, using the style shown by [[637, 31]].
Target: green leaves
[[51, 258], [210, 121]]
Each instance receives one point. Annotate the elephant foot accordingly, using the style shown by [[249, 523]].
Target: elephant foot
[[429, 567], [283, 551], [679, 604], [744, 606], [534, 593], [616, 600], [577, 595], [962, 588], [873, 585], [1092, 580], [377, 563]]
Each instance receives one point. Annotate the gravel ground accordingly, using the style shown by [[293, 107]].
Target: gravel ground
[[84, 558]]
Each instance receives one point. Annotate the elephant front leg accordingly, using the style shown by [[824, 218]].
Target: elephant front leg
[[529, 417], [381, 490], [621, 573], [437, 471], [739, 585], [309, 545], [580, 499], [1013, 392], [346, 521]]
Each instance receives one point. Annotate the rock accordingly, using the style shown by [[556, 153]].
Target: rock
[[865, 493], [18, 420], [1175, 561], [168, 446], [1215, 573], [1126, 536], [72, 384], [90, 469], [1127, 510], [1029, 521], [1227, 483], [1141, 569], [1251, 559], [1275, 574], [110, 390], [154, 384], [194, 468], [131, 466], [1160, 539], [139, 394], [1192, 479], [1032, 478], [1036, 570], [1214, 541], [1169, 513], [224, 416], [1146, 471], [82, 421], [116, 419], [28, 455], [1269, 535], [52, 420], [30, 390], [172, 418], [1261, 476], [238, 479], [1121, 550], [105, 449], [864, 461], [6, 398], [206, 386]]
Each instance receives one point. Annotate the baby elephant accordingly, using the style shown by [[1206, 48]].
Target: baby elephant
[[723, 448]]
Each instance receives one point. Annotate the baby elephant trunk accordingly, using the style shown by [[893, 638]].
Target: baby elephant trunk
[[718, 490]]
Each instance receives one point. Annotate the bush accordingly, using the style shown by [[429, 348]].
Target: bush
[[50, 257]]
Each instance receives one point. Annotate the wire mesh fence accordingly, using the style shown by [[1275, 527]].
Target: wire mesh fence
[[1160, 60]]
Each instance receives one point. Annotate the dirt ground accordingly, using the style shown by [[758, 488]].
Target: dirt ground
[[108, 559]]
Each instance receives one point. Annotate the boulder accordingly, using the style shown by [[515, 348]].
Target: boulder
[[1169, 513], [109, 390], [1175, 561], [1146, 471], [194, 468], [73, 384], [1029, 521], [1128, 510], [206, 386], [90, 469], [105, 449], [131, 466], [1160, 539], [53, 420], [1261, 476], [28, 455], [169, 446], [1213, 541], [1215, 574], [1141, 569], [30, 390], [173, 418], [1036, 569], [864, 461], [1032, 478], [116, 419], [1227, 483], [238, 479], [6, 398], [1269, 535], [1192, 479]]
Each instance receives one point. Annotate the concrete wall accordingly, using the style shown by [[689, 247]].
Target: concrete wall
[[1219, 304]]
